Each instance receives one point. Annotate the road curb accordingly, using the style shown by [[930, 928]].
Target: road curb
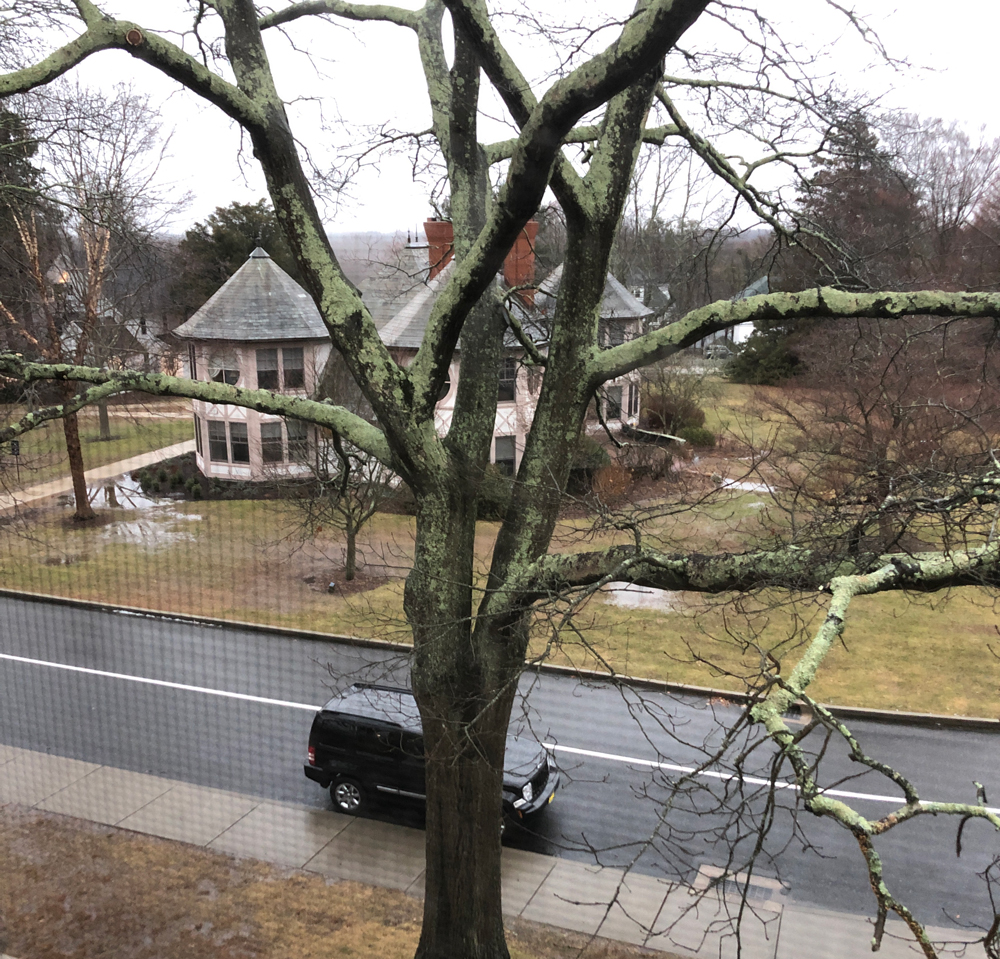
[[723, 696]]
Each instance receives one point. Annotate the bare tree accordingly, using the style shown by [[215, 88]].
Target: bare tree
[[347, 489], [953, 174], [101, 157], [468, 656]]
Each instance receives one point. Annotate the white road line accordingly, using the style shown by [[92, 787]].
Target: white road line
[[725, 777], [160, 682], [553, 747]]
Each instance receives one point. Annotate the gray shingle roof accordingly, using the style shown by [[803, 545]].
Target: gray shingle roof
[[260, 301], [616, 303], [400, 297]]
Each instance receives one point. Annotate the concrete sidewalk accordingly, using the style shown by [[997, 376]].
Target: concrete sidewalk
[[57, 487], [633, 908]]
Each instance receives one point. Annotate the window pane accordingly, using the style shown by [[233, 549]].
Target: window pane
[[616, 332], [197, 437], [613, 408], [508, 380], [298, 440], [506, 454], [218, 449], [267, 369], [270, 442], [240, 442], [294, 368], [224, 369]]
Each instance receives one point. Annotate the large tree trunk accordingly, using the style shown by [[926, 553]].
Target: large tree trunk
[[462, 908], [464, 683], [71, 430], [74, 451]]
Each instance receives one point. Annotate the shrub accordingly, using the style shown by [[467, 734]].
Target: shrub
[[697, 436], [494, 494], [670, 414], [161, 475], [588, 458], [765, 359], [590, 455], [611, 483]]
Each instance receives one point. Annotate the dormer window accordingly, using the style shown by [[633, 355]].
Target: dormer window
[[614, 332]]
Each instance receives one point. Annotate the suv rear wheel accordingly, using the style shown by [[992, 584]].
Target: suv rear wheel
[[348, 796]]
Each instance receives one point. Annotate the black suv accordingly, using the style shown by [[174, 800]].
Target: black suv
[[368, 741]]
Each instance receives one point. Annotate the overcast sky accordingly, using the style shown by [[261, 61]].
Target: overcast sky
[[952, 47]]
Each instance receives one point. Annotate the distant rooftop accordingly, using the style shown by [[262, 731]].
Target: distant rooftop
[[616, 302], [400, 296], [259, 302]]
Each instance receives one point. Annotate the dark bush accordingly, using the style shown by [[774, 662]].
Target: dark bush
[[697, 436], [765, 359], [590, 455], [494, 494], [588, 458], [663, 413]]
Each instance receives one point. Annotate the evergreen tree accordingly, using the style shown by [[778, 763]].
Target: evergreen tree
[[213, 251], [20, 182], [867, 209]]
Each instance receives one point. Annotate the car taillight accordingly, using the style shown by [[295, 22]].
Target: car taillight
[[312, 755]]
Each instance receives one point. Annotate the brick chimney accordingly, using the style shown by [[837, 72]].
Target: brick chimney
[[518, 267], [441, 244]]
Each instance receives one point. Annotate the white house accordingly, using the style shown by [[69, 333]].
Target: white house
[[400, 298], [260, 330]]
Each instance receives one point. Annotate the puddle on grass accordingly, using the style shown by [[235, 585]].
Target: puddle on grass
[[747, 487], [148, 521], [642, 597]]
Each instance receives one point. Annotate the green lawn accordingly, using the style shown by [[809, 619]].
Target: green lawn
[[43, 451], [238, 560]]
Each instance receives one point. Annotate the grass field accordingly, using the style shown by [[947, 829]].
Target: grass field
[[133, 431], [243, 560], [237, 560]]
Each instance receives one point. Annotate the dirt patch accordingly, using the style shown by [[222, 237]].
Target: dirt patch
[[69, 888], [336, 583]]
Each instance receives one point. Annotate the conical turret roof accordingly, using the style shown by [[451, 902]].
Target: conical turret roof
[[260, 301]]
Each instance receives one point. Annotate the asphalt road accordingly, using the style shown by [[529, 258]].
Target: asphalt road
[[607, 742]]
